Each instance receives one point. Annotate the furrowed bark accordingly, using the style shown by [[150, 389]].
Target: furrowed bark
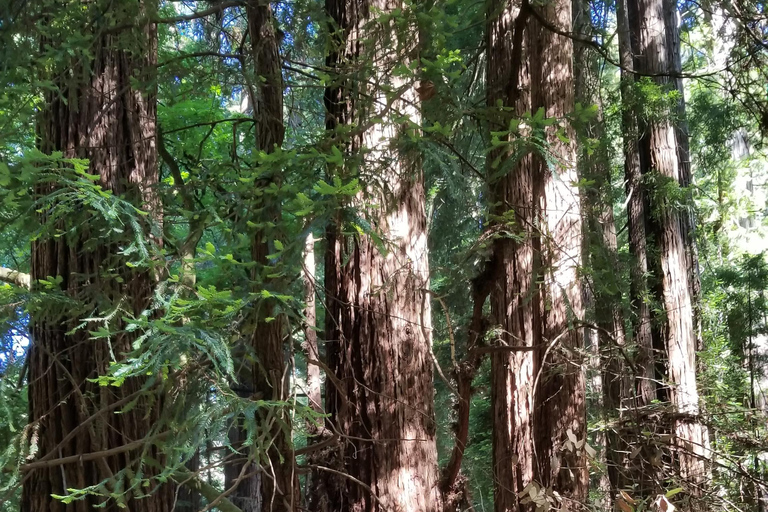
[[560, 399], [378, 323], [104, 116], [514, 294], [662, 158], [275, 488]]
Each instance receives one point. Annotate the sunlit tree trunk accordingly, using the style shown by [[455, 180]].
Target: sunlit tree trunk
[[560, 396], [538, 388], [514, 294], [663, 165], [265, 483], [378, 328], [105, 112], [314, 382]]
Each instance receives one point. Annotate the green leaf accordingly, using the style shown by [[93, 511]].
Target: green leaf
[[674, 491]]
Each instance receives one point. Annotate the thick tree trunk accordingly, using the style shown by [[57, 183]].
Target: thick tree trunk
[[265, 482], [102, 116], [560, 398], [378, 328], [536, 295], [636, 474], [514, 295], [690, 438]]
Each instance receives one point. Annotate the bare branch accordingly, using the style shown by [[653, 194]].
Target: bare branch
[[202, 14], [15, 277]]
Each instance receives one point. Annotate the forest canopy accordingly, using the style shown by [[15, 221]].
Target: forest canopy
[[383, 256]]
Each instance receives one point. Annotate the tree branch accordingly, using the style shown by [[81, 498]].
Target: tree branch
[[201, 14], [15, 277], [85, 457], [207, 491]]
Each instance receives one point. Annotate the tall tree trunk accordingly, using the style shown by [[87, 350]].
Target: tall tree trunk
[[265, 483], [637, 474], [602, 251], [560, 398], [538, 389], [636, 207], [314, 382], [514, 295], [103, 116], [688, 216], [378, 341], [690, 439]]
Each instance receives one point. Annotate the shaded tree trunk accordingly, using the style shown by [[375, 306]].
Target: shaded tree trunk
[[378, 330], [265, 481], [102, 115], [602, 253], [636, 474]]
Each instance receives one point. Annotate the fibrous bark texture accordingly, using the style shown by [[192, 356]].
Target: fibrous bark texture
[[515, 294], [101, 115], [661, 155], [378, 328], [560, 399], [538, 389]]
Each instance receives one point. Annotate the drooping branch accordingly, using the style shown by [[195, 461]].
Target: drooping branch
[[16, 278]]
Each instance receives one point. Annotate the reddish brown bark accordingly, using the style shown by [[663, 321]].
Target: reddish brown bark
[[101, 115], [514, 296], [538, 394], [377, 332], [265, 481], [560, 398]]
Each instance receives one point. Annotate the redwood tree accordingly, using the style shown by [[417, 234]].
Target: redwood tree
[[377, 333], [514, 294], [660, 155], [268, 481], [103, 109], [538, 389]]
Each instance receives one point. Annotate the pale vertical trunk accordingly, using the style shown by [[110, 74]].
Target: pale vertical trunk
[[560, 398], [314, 382], [690, 438]]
